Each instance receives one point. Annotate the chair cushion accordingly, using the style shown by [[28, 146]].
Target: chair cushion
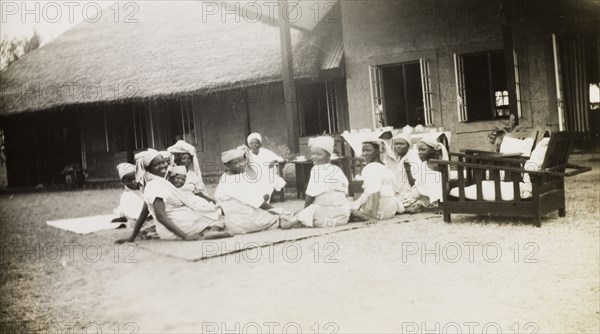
[[489, 194], [513, 145], [537, 158]]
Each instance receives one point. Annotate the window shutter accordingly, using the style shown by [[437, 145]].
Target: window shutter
[[559, 88], [517, 83], [426, 90], [461, 100], [332, 106], [376, 80]]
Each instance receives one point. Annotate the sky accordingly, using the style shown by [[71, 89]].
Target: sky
[[18, 19]]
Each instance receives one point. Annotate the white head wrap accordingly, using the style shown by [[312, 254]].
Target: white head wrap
[[431, 140], [227, 156], [143, 160], [406, 137], [254, 135], [380, 143], [168, 156], [179, 170], [324, 142], [181, 147], [124, 169], [146, 157]]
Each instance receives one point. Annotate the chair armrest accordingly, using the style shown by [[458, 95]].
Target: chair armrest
[[496, 158], [471, 151], [577, 170], [495, 167]]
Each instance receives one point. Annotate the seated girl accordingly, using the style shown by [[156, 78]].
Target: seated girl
[[244, 201], [177, 177], [377, 201], [325, 204], [184, 154], [428, 180], [130, 204], [263, 161], [177, 217]]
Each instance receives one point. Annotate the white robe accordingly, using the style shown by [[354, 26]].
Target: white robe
[[401, 182], [193, 183], [191, 217], [328, 185], [241, 198], [428, 182], [130, 204], [378, 179], [268, 176]]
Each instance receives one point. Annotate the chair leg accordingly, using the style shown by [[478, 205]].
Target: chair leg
[[562, 212], [538, 220], [447, 218]]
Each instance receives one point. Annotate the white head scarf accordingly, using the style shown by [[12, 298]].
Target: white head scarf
[[431, 140], [227, 156], [124, 169], [143, 160], [179, 170], [379, 142], [168, 156], [254, 135], [406, 137], [181, 147], [324, 142]]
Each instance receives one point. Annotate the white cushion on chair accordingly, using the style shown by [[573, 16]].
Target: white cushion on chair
[[489, 193], [513, 145]]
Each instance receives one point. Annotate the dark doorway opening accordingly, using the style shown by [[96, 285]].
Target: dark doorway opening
[[39, 145], [403, 95]]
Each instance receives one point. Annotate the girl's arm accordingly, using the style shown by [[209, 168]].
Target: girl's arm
[[161, 216], [375, 209], [138, 225], [266, 206], [203, 195], [308, 200]]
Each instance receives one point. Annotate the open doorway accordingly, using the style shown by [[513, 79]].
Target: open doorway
[[403, 95], [579, 76], [40, 145]]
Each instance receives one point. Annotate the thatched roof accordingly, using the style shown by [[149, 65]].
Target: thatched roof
[[170, 51]]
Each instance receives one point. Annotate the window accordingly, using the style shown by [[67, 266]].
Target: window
[[401, 94], [320, 107], [482, 86], [595, 96]]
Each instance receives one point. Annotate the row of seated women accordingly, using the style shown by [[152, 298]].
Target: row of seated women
[[396, 180]]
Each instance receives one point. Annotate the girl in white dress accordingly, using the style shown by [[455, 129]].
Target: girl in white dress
[[243, 200], [264, 162], [377, 202], [325, 204]]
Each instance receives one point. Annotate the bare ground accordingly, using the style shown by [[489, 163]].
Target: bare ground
[[478, 274]]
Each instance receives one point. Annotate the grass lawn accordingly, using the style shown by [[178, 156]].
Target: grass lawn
[[478, 274]]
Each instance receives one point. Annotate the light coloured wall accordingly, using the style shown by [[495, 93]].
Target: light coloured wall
[[388, 32]]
